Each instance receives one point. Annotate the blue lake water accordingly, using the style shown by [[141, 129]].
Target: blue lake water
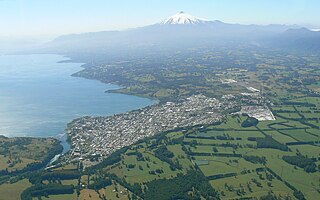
[[38, 96]]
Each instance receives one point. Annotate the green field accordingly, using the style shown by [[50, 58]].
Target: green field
[[249, 185], [17, 153], [227, 160], [13, 191]]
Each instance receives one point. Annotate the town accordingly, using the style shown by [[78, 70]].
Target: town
[[100, 136]]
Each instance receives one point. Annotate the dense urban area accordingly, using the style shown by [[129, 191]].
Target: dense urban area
[[101, 136]]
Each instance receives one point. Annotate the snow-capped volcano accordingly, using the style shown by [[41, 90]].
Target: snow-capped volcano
[[183, 18], [179, 30]]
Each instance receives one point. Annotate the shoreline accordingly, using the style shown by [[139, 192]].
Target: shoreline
[[63, 137]]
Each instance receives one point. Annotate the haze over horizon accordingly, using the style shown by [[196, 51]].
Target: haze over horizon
[[31, 19], [159, 99]]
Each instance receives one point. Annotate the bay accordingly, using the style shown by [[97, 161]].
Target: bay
[[38, 96]]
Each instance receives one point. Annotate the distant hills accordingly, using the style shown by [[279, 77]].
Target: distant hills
[[298, 39], [182, 30]]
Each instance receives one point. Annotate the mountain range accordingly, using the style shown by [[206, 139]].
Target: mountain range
[[183, 29]]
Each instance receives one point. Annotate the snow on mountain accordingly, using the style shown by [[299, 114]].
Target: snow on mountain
[[183, 28], [183, 18]]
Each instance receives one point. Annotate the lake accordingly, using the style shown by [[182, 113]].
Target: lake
[[38, 96]]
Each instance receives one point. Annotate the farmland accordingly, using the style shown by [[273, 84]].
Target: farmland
[[238, 156], [13, 190], [228, 157], [18, 153], [237, 161], [232, 159]]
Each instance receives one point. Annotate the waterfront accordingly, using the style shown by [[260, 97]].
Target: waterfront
[[38, 96]]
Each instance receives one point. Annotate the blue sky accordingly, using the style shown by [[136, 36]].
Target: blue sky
[[20, 18]]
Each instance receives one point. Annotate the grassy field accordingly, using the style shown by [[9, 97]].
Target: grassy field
[[13, 163], [223, 165], [249, 185], [115, 191], [238, 162], [87, 194], [17, 153], [140, 171], [13, 191], [281, 137], [61, 197], [306, 182], [283, 131], [228, 155], [66, 167], [231, 156]]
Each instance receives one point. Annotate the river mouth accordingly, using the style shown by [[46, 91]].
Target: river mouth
[[63, 138], [39, 97]]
